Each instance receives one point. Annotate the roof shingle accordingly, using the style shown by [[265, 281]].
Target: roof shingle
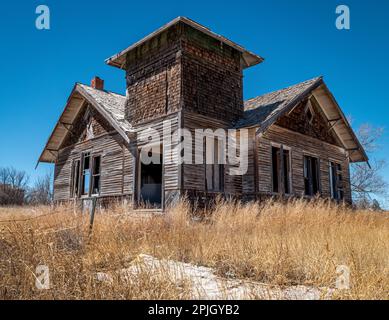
[[262, 110], [113, 103]]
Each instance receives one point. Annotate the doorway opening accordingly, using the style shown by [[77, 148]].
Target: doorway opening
[[150, 182]]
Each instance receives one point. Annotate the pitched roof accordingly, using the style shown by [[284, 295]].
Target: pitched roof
[[248, 58], [265, 110], [113, 103], [261, 110], [110, 105]]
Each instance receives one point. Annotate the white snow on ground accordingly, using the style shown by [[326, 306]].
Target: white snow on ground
[[206, 285]]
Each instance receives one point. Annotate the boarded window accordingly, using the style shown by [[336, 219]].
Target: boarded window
[[336, 181], [96, 175], [86, 173], [75, 178], [311, 176], [281, 170], [215, 170]]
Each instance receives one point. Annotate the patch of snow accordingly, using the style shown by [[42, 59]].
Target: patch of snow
[[206, 285]]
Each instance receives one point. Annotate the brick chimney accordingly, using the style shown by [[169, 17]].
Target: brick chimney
[[97, 83]]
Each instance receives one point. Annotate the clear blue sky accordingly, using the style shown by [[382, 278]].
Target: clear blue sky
[[297, 38]]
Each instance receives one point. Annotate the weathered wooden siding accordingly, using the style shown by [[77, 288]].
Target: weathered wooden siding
[[300, 145], [153, 74], [249, 179], [211, 77], [171, 170], [129, 156], [194, 174], [110, 146], [116, 159], [118, 162]]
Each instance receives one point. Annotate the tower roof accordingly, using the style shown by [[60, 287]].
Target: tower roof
[[248, 58]]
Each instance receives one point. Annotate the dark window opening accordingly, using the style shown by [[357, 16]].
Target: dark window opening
[[281, 170], [150, 193], [311, 176], [96, 175], [309, 115], [85, 174], [336, 181]]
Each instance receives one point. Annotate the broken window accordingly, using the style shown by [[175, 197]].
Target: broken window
[[336, 181], [96, 175], [214, 178], [281, 170], [75, 178], [85, 174], [311, 176]]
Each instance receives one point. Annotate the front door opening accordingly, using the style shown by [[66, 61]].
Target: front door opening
[[150, 184]]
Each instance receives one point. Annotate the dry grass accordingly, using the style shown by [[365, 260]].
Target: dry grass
[[283, 244]]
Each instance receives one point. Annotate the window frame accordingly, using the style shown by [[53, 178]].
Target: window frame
[[336, 184], [80, 192], [75, 178], [318, 175], [281, 170], [309, 107], [220, 167], [94, 175]]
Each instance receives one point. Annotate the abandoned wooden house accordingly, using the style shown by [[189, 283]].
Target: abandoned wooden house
[[300, 143]]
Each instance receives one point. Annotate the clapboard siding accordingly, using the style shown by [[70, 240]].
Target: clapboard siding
[[194, 174], [248, 179], [128, 169], [110, 147], [170, 168], [300, 145]]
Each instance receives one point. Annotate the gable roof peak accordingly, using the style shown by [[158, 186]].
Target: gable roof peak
[[265, 110]]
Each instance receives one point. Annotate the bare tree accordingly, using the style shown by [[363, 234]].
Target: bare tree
[[41, 191], [13, 184], [367, 182]]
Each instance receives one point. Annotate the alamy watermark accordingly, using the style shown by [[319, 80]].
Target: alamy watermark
[[342, 21], [42, 21], [343, 279], [196, 146], [42, 277]]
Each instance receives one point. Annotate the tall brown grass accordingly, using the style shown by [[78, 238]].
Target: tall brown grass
[[282, 244]]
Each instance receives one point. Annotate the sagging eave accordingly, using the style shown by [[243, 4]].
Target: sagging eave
[[77, 89], [248, 58], [359, 148], [306, 94]]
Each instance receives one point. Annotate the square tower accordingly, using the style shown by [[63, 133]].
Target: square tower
[[184, 66]]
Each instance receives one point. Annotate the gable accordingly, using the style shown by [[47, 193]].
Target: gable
[[264, 111], [110, 107], [307, 118], [88, 125]]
